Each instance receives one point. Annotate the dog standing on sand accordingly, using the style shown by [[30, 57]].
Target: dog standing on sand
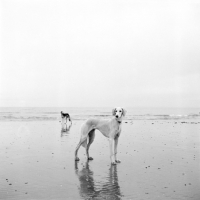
[[109, 128], [65, 121]]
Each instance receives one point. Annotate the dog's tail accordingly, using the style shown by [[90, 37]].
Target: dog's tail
[[89, 139], [84, 144]]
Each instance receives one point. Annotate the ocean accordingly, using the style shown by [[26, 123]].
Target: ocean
[[82, 113]]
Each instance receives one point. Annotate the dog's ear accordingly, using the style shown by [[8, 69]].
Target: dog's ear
[[123, 112], [113, 111]]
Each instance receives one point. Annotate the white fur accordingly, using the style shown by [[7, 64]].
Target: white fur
[[109, 128]]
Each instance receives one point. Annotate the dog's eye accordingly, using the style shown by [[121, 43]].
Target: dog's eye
[[120, 111]]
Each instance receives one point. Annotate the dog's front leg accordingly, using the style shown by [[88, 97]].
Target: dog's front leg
[[115, 150], [64, 125], [112, 156]]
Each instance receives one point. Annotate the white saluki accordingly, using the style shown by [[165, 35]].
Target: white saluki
[[109, 128]]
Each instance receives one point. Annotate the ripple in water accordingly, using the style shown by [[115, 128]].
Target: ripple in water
[[89, 188]]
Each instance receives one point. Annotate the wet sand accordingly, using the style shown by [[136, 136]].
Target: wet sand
[[159, 160]]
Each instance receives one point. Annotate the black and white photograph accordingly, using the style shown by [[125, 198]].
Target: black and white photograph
[[100, 99]]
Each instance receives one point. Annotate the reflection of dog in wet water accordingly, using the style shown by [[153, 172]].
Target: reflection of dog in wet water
[[109, 128], [95, 189], [66, 122]]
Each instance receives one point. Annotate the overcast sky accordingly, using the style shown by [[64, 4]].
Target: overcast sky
[[100, 53]]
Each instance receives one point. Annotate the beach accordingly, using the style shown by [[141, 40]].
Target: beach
[[160, 158]]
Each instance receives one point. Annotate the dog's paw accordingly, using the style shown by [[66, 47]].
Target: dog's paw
[[90, 158], [117, 161], [77, 159]]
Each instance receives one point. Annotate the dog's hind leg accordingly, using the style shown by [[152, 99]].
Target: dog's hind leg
[[83, 142], [91, 136]]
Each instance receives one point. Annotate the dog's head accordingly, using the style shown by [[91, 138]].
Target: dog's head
[[65, 115], [119, 112]]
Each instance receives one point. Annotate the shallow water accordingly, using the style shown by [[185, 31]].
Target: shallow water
[[53, 114], [160, 160]]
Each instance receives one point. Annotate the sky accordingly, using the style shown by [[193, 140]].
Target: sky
[[75, 53]]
